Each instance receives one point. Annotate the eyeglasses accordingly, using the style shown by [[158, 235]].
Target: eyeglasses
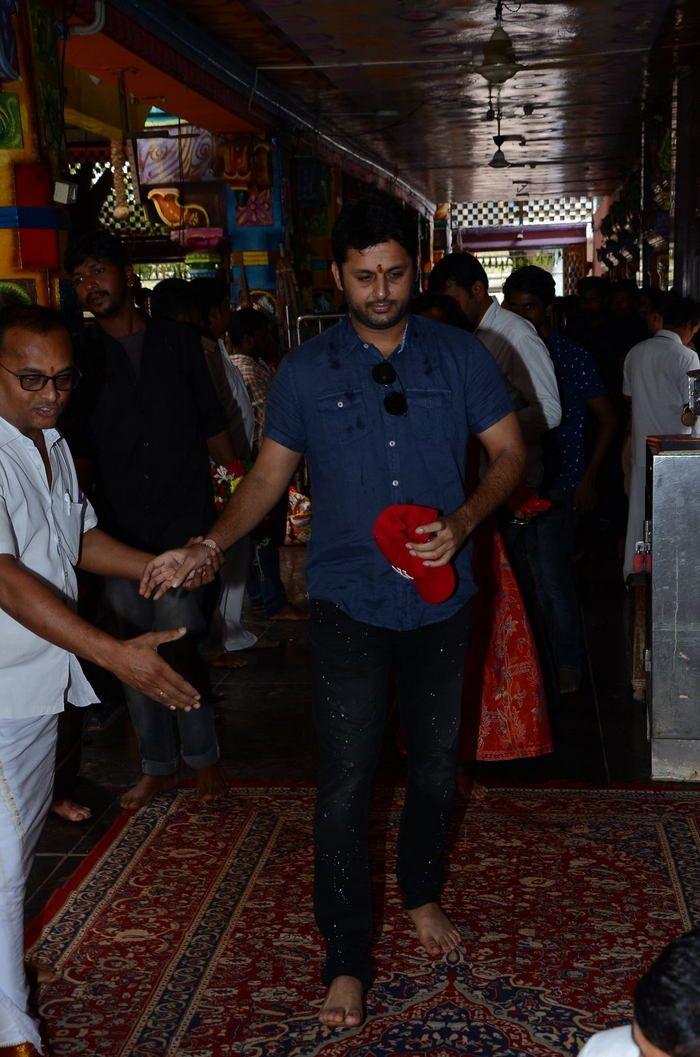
[[64, 381], [394, 403]]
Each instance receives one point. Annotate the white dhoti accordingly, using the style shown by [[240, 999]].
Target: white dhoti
[[636, 514], [27, 757], [227, 626]]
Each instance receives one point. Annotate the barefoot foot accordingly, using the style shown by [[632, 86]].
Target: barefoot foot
[[210, 782], [344, 1007], [146, 789], [436, 933], [40, 972], [71, 811]]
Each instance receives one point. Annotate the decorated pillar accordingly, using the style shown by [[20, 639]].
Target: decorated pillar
[[31, 135]]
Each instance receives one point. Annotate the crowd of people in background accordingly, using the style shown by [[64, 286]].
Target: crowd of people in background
[[170, 393]]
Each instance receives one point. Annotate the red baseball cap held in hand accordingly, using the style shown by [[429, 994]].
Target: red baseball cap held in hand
[[394, 528]]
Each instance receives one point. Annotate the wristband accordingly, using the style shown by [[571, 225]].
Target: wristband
[[211, 545]]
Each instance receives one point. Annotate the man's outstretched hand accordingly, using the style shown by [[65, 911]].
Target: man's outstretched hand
[[189, 567], [137, 663]]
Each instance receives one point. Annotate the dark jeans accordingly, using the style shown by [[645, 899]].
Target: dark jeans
[[265, 587], [153, 723], [351, 671], [553, 557]]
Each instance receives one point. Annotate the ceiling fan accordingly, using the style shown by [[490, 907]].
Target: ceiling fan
[[499, 160]]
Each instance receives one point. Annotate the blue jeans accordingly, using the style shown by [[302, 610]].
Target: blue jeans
[[265, 587], [554, 546], [351, 673], [153, 722]]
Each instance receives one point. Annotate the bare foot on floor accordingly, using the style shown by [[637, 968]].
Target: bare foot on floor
[[40, 972], [436, 933], [344, 1006], [71, 811], [146, 789], [210, 782], [290, 613]]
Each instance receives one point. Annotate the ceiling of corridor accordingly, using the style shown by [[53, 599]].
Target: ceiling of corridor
[[399, 78]]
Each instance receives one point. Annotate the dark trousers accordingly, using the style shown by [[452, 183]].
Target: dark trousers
[[351, 670], [553, 559]]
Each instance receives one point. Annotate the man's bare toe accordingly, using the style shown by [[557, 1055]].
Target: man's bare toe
[[436, 933], [40, 972], [210, 782], [146, 788], [344, 1006], [71, 811]]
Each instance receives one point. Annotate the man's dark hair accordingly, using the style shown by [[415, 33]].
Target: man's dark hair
[[667, 998], [209, 293], [98, 246], [34, 318], [625, 286], [247, 322], [464, 268], [594, 284], [675, 310], [369, 221], [453, 314], [532, 280], [170, 298]]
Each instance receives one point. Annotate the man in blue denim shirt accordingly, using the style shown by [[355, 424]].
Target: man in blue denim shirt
[[382, 405]]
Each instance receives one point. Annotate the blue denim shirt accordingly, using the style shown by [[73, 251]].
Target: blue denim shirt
[[325, 403]]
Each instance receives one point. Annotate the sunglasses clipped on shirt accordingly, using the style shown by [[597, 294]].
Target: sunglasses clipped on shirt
[[395, 403], [64, 381]]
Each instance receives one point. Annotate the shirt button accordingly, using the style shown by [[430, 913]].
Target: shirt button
[[392, 443], [364, 346], [395, 484], [340, 403]]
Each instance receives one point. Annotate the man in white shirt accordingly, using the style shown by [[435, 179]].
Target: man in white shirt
[[47, 527], [666, 1009], [515, 346], [655, 379]]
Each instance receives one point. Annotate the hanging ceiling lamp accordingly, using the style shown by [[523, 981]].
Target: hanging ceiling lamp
[[499, 63]]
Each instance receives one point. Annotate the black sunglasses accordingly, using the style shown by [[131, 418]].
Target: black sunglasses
[[394, 403]]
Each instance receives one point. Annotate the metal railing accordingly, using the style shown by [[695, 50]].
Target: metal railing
[[305, 323]]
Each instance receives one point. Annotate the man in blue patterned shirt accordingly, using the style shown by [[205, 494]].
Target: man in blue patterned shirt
[[382, 405], [570, 477]]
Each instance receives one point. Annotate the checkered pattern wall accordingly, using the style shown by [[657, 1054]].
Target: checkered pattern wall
[[529, 211], [138, 224]]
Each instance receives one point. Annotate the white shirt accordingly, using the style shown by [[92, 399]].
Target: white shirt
[[527, 366], [42, 529], [656, 378], [618, 1042]]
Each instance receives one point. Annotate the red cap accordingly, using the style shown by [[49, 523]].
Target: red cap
[[394, 528]]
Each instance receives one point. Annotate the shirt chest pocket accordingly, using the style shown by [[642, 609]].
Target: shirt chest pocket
[[342, 416], [68, 519], [429, 413]]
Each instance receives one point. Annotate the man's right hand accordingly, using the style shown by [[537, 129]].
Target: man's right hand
[[137, 663]]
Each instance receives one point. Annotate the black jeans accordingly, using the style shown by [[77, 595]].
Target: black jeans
[[351, 670]]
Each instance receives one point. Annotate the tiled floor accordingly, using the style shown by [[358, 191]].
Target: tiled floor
[[266, 734]]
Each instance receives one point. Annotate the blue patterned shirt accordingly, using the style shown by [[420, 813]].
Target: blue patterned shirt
[[325, 403], [579, 382]]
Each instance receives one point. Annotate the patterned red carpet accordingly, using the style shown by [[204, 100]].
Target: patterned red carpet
[[190, 933]]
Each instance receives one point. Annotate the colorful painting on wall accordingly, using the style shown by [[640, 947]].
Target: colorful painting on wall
[[187, 156], [17, 291], [11, 137]]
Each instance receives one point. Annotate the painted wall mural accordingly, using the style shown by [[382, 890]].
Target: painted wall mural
[[11, 136], [186, 155]]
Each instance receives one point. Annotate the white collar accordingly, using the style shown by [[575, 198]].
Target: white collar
[[9, 434], [493, 309], [668, 334]]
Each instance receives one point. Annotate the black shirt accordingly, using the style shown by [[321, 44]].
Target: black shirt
[[146, 435]]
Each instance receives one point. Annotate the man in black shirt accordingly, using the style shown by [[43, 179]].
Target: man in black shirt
[[147, 419]]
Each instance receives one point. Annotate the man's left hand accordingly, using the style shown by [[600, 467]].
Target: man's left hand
[[173, 568], [446, 537]]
